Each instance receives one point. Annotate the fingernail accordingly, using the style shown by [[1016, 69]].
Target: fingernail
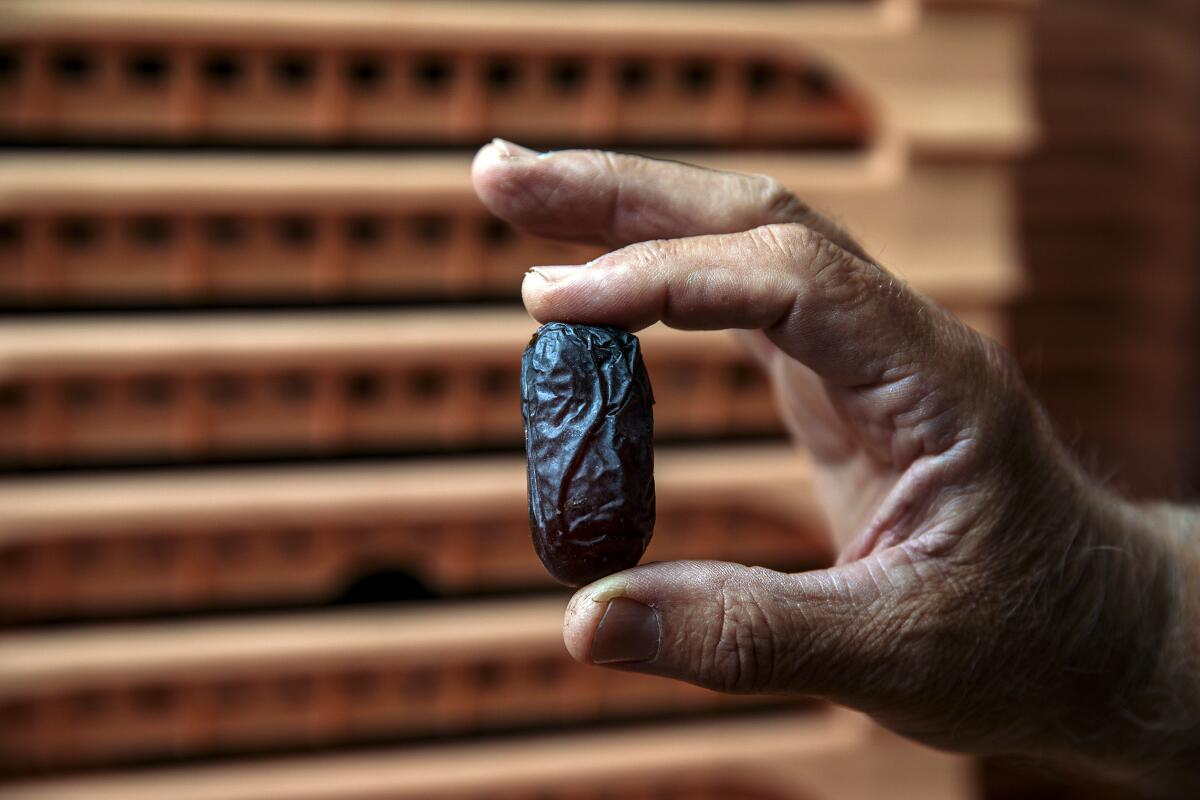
[[628, 631], [512, 149], [550, 274]]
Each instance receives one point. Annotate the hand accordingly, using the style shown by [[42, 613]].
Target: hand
[[989, 597]]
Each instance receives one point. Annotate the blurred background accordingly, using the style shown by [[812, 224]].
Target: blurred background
[[263, 527]]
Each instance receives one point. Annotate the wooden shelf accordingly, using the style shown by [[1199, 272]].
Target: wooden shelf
[[788, 756], [189, 541]]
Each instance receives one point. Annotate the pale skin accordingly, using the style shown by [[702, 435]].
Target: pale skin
[[989, 596]]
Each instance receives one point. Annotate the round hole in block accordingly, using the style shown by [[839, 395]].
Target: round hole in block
[[567, 75], [364, 387], [74, 67], [293, 71], [225, 231], [497, 232], [295, 231], [77, 233], [365, 73], [761, 77], [696, 77], [426, 384], [12, 233], [149, 69], [14, 397], [293, 386], [153, 391], [633, 77], [226, 389], [10, 64], [223, 70], [152, 231], [431, 230], [364, 231], [433, 73], [82, 394], [501, 75]]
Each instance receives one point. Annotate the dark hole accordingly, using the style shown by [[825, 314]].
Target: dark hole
[[761, 77], [16, 559], [12, 233], [742, 376], [90, 704], [295, 231], [364, 231], [364, 388], [365, 73], [10, 65], [360, 684], [567, 76], [152, 231], [293, 71], [427, 383], [226, 389], [433, 73], [148, 69], [225, 231], [496, 231], [13, 397], [633, 77], [495, 381], [230, 547], [295, 691], [293, 387], [696, 77], [224, 70], [432, 230], [486, 675], [81, 394], [73, 66], [233, 695], [155, 551], [154, 391], [547, 670], [419, 682], [154, 699], [295, 544], [383, 584], [15, 714], [77, 232], [84, 553], [816, 83], [501, 75]]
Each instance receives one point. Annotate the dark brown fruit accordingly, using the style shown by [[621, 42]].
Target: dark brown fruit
[[589, 429]]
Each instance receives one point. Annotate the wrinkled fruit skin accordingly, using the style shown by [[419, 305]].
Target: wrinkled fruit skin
[[589, 430]]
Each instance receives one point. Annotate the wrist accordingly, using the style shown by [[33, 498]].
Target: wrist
[[1142, 567]]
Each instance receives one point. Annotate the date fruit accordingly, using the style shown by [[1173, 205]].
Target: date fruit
[[589, 427]]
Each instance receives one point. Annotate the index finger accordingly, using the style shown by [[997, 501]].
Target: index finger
[[615, 199]]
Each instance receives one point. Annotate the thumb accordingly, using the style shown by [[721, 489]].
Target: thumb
[[729, 627]]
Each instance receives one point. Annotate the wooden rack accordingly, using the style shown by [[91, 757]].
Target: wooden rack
[[89, 547]]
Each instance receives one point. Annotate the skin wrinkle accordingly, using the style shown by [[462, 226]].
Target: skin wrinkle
[[1004, 617], [614, 204]]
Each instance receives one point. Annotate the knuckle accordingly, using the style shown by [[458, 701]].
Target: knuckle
[[778, 202], [645, 254], [781, 242]]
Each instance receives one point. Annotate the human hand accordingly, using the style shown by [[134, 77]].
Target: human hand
[[989, 597]]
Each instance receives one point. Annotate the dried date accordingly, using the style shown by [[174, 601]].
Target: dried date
[[589, 425]]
